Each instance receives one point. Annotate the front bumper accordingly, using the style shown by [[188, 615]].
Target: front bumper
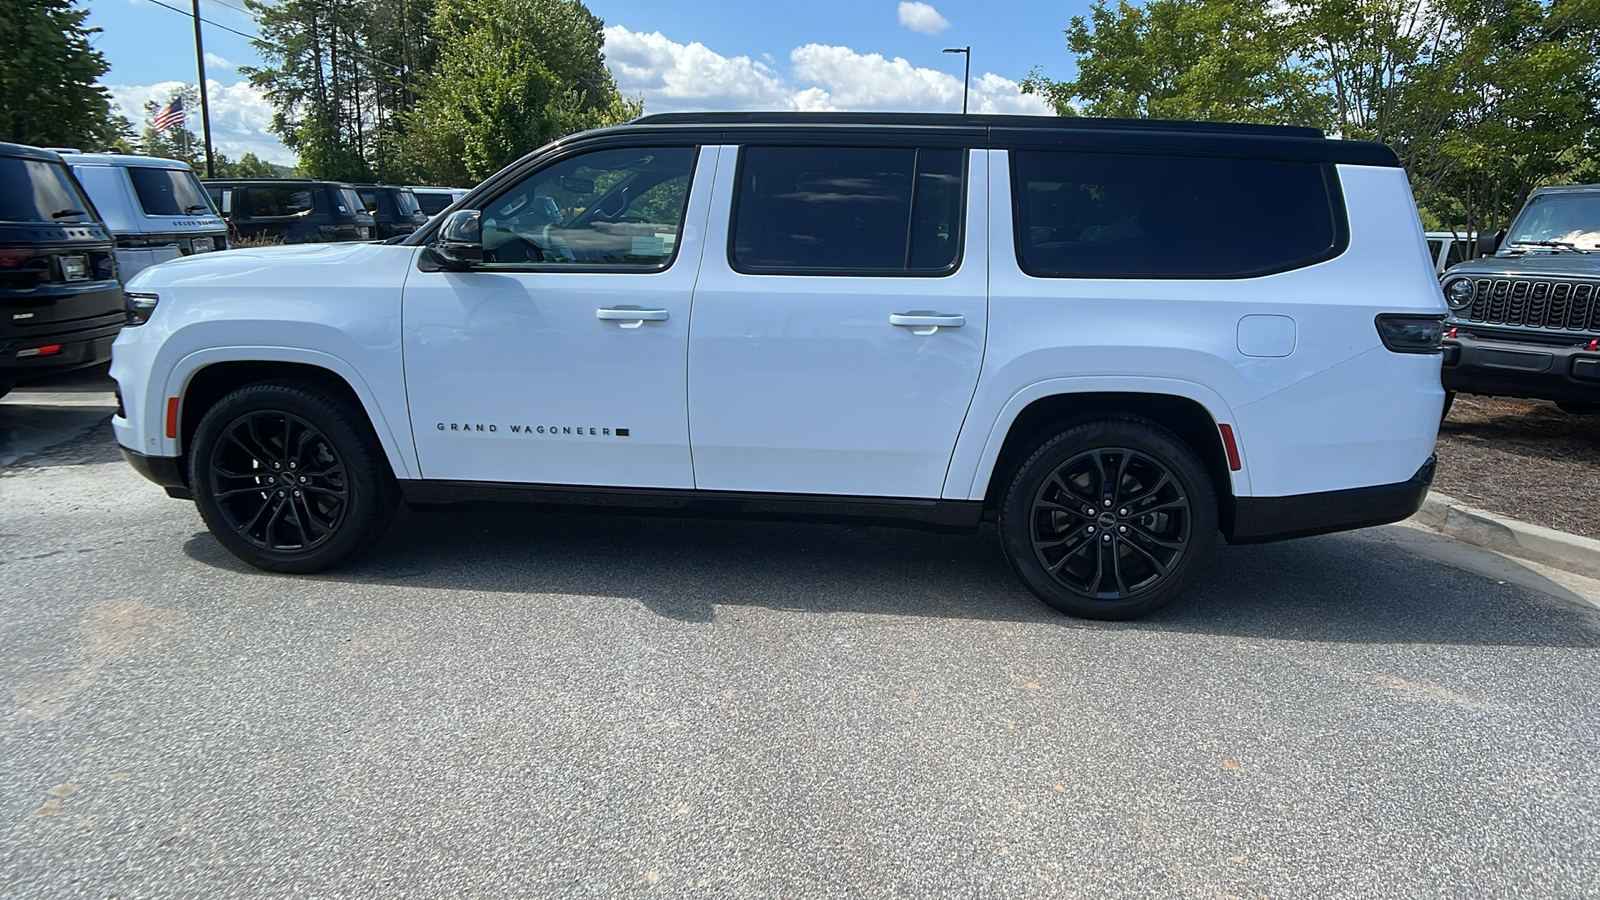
[[166, 471], [1514, 369], [1258, 520]]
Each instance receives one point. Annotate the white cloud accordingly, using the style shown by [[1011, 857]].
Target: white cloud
[[922, 17], [240, 116], [673, 77], [213, 59]]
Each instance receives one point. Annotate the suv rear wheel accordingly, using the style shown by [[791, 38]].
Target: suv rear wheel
[[1110, 519], [289, 477]]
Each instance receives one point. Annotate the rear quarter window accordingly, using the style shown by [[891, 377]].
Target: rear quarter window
[[271, 201], [1097, 215], [168, 192]]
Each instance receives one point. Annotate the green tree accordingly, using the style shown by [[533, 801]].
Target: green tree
[[1522, 82], [250, 166], [340, 75], [512, 75], [1205, 60], [49, 91]]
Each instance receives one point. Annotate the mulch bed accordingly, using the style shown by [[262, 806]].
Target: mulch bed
[[1522, 458]]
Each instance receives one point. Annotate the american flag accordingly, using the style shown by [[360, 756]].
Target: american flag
[[169, 115]]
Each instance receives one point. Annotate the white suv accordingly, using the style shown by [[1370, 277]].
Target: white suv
[[1112, 339]]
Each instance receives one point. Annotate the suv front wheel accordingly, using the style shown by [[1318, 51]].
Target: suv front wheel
[[1110, 519], [289, 477]]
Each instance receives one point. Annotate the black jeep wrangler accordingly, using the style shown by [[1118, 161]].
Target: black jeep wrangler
[[1525, 317]]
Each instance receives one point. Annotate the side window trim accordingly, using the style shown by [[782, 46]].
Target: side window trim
[[958, 217], [699, 155]]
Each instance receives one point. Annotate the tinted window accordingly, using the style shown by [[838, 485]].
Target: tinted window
[[432, 203], [839, 210], [407, 202], [610, 207], [168, 192], [348, 201], [278, 201], [32, 190], [369, 200], [1131, 216]]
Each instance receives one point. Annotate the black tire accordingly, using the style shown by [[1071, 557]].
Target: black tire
[[290, 477], [1449, 401], [1065, 525], [1578, 407]]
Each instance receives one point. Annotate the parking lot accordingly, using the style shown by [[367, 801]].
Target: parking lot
[[503, 704]]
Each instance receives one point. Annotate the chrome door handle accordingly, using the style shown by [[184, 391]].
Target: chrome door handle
[[926, 323], [631, 318]]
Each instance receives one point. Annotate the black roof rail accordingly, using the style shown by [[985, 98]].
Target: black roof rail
[[956, 120]]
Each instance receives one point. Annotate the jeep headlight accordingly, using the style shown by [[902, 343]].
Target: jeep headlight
[[140, 306], [1459, 293]]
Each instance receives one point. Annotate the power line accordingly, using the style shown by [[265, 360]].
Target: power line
[[189, 15], [264, 42]]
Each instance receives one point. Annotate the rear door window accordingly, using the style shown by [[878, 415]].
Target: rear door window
[[32, 190], [848, 211], [1095, 215], [272, 201], [168, 192]]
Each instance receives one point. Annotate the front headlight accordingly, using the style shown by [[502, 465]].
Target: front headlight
[[1458, 292], [140, 306]]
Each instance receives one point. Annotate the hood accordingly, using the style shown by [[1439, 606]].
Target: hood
[[280, 264], [1562, 264]]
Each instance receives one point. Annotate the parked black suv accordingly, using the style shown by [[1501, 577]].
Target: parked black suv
[[60, 303], [293, 211], [1525, 321], [394, 209]]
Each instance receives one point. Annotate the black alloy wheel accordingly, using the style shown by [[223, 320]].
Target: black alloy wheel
[[1109, 519], [290, 476], [278, 482]]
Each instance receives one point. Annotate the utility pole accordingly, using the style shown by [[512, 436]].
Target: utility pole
[[966, 78], [205, 107]]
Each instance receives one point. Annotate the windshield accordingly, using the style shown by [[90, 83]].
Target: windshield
[[169, 192], [33, 190], [1560, 219]]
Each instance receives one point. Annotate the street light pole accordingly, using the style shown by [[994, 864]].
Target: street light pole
[[966, 79]]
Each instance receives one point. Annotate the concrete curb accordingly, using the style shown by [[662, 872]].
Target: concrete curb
[[1569, 552]]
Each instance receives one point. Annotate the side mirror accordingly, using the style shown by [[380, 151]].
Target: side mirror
[[1489, 243], [459, 242]]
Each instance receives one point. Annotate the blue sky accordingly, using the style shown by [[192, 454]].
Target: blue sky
[[712, 54]]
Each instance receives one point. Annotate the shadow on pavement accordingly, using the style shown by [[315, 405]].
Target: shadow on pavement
[[1336, 588]]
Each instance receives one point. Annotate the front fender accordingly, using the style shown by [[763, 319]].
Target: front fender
[[399, 452]]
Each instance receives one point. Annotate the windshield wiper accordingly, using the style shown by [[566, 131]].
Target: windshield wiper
[[1559, 245], [67, 212], [197, 207]]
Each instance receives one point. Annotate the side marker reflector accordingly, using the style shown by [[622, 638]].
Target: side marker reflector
[[172, 417], [1232, 447]]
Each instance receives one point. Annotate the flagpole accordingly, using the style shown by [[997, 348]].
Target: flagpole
[[205, 107]]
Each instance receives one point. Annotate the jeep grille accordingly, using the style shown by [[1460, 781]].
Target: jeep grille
[[1535, 303]]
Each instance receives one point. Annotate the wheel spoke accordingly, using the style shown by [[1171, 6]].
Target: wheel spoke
[[1161, 568], [1122, 474], [1167, 542], [1166, 479], [1116, 567]]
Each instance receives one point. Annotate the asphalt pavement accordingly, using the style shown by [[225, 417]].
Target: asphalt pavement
[[506, 704]]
